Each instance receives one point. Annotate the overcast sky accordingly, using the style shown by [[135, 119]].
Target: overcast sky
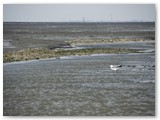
[[76, 12]]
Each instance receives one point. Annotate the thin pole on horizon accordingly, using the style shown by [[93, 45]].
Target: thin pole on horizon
[[111, 18], [83, 19]]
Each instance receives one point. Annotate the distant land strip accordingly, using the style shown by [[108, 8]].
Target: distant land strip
[[114, 40]]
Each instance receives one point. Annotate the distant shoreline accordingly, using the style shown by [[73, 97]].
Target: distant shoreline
[[80, 22], [115, 40]]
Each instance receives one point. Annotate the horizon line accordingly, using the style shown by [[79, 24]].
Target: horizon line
[[78, 21]]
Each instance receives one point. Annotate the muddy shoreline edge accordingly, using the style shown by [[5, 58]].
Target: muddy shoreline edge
[[44, 53]]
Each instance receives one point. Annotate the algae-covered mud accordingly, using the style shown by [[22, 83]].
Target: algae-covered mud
[[64, 69], [101, 41], [30, 54]]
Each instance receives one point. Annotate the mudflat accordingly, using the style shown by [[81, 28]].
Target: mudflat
[[83, 84], [26, 41], [18, 36]]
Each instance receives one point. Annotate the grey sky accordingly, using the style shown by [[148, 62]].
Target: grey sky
[[76, 12]]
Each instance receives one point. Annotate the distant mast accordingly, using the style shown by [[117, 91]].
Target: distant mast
[[111, 18], [83, 19]]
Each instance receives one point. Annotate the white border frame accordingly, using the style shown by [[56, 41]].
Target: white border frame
[[157, 87]]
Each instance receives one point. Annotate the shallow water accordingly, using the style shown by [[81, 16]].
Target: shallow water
[[81, 86]]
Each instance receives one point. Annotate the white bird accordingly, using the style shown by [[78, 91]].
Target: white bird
[[115, 67]]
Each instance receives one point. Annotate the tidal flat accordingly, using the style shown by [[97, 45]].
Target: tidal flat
[[77, 80]]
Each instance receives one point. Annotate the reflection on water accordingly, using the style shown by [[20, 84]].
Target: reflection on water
[[81, 86]]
